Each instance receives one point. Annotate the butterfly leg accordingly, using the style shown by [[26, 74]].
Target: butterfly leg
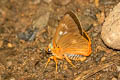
[[54, 58], [55, 62], [69, 61]]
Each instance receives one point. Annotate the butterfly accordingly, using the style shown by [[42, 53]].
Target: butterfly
[[70, 41]]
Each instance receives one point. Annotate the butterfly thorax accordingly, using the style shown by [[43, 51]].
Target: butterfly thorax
[[56, 51]]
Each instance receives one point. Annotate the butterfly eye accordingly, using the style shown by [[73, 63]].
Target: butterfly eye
[[49, 50]]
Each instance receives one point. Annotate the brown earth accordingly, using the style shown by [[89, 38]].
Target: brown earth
[[23, 57]]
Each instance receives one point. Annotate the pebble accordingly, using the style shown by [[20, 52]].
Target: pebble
[[62, 2], [118, 68], [9, 63], [1, 43], [99, 56], [42, 21], [111, 29], [100, 17], [35, 1], [65, 2], [9, 45], [119, 76], [12, 78], [42, 39], [103, 59], [28, 35], [83, 59], [65, 67], [47, 1], [114, 78], [114, 53], [97, 3], [0, 77]]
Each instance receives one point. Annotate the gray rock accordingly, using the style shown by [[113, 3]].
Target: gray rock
[[42, 21], [111, 28]]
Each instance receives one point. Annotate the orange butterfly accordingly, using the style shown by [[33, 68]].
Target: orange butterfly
[[69, 41]]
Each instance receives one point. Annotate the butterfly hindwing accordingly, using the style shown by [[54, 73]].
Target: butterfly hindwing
[[74, 44]]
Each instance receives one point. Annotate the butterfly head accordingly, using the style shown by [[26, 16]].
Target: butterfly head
[[49, 48], [53, 48]]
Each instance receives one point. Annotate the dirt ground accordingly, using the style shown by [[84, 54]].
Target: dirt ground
[[27, 27]]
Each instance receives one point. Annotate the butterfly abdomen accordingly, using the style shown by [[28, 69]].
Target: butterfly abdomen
[[74, 56]]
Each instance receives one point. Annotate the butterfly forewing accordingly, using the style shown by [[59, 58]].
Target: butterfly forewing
[[66, 25]]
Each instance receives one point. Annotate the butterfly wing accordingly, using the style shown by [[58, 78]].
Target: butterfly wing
[[75, 44], [70, 37], [67, 25]]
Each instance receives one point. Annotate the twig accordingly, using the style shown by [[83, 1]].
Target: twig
[[92, 71]]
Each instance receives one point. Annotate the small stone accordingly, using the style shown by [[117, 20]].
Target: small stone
[[1, 43], [94, 34], [65, 2], [100, 17], [97, 3], [114, 53], [47, 1], [35, 1], [99, 56], [41, 38], [62, 2], [114, 78], [10, 45], [9, 63], [28, 35], [103, 58], [65, 67], [119, 76], [118, 68], [42, 21], [0, 77], [91, 1], [12, 78], [82, 59], [82, 3], [111, 29]]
